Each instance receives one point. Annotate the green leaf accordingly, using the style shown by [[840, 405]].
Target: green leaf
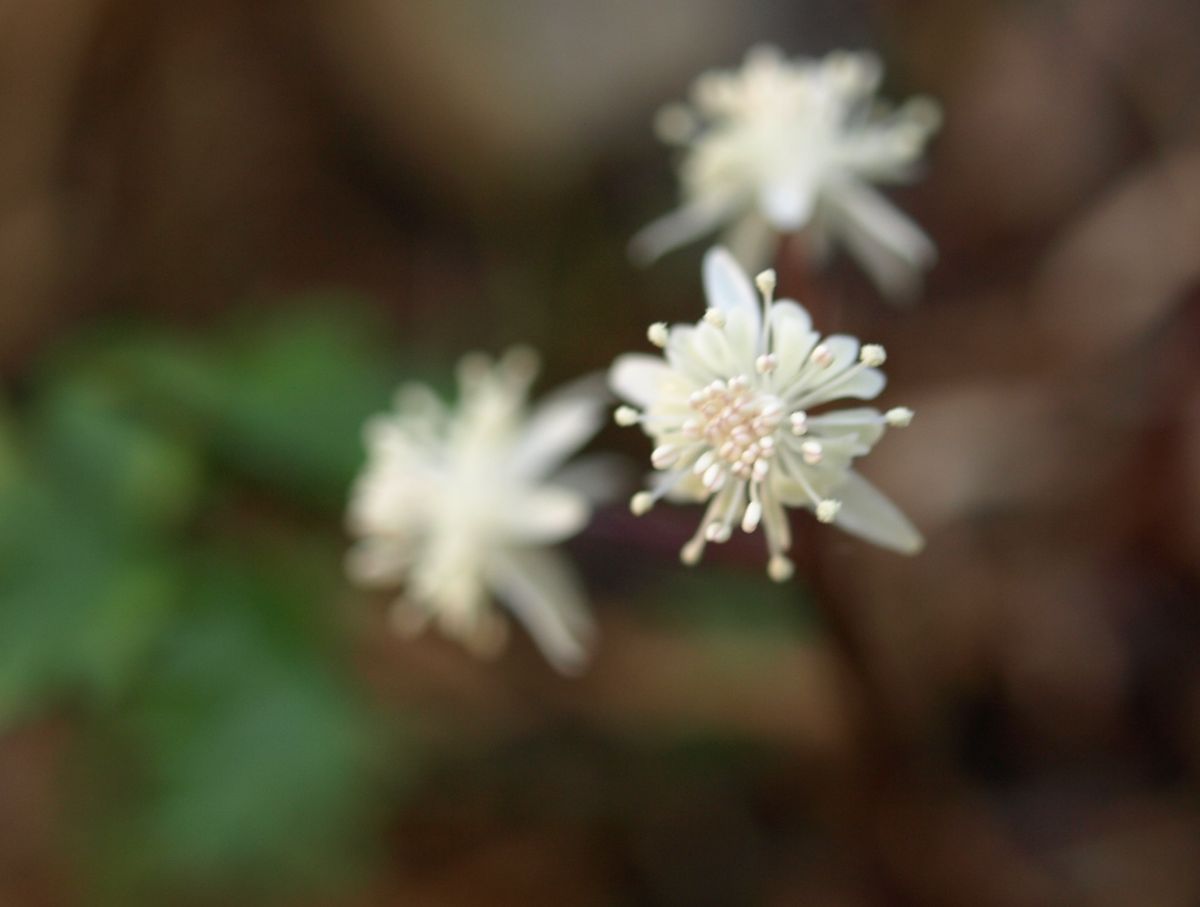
[[279, 399], [87, 579], [78, 609], [120, 474], [301, 388], [245, 755]]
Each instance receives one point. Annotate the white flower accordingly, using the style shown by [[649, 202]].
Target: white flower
[[455, 503], [732, 412], [781, 145]]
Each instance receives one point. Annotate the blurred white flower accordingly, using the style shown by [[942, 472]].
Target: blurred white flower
[[456, 504], [731, 413], [781, 145]]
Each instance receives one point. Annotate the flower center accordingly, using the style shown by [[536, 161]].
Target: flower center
[[738, 424]]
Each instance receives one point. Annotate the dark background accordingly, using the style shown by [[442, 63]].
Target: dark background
[[228, 228]]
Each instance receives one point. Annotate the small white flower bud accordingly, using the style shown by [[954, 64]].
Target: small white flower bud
[[641, 503], [899, 417], [766, 282], [812, 452], [705, 460], [821, 355], [799, 421], [766, 364], [780, 568], [664, 455], [714, 477], [717, 532], [827, 510], [715, 317], [872, 354], [657, 334], [752, 516], [626, 416], [690, 553]]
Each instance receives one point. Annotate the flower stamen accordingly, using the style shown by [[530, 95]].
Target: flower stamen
[[626, 416], [821, 355], [766, 283], [828, 509], [715, 317]]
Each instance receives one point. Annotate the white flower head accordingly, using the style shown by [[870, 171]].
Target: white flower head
[[739, 420], [780, 145], [455, 504]]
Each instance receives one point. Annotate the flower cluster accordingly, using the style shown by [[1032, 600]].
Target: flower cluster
[[781, 145], [457, 504], [454, 503], [734, 409]]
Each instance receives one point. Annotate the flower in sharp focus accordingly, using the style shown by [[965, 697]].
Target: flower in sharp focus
[[781, 145], [455, 504], [737, 411]]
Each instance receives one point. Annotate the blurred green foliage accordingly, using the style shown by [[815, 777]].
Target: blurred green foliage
[[159, 577], [88, 576], [280, 401], [247, 754]]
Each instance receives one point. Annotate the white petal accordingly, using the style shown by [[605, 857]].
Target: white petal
[[545, 515], [743, 337], [638, 377], [792, 339], [891, 248], [788, 203], [864, 423], [378, 561], [711, 347], [673, 230], [686, 489], [820, 385], [837, 453], [561, 424], [844, 350], [680, 355], [727, 287], [792, 493], [540, 590], [791, 318], [865, 385], [379, 503], [868, 514]]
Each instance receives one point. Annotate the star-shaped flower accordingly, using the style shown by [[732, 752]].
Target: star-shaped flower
[[737, 411], [454, 504], [781, 145]]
